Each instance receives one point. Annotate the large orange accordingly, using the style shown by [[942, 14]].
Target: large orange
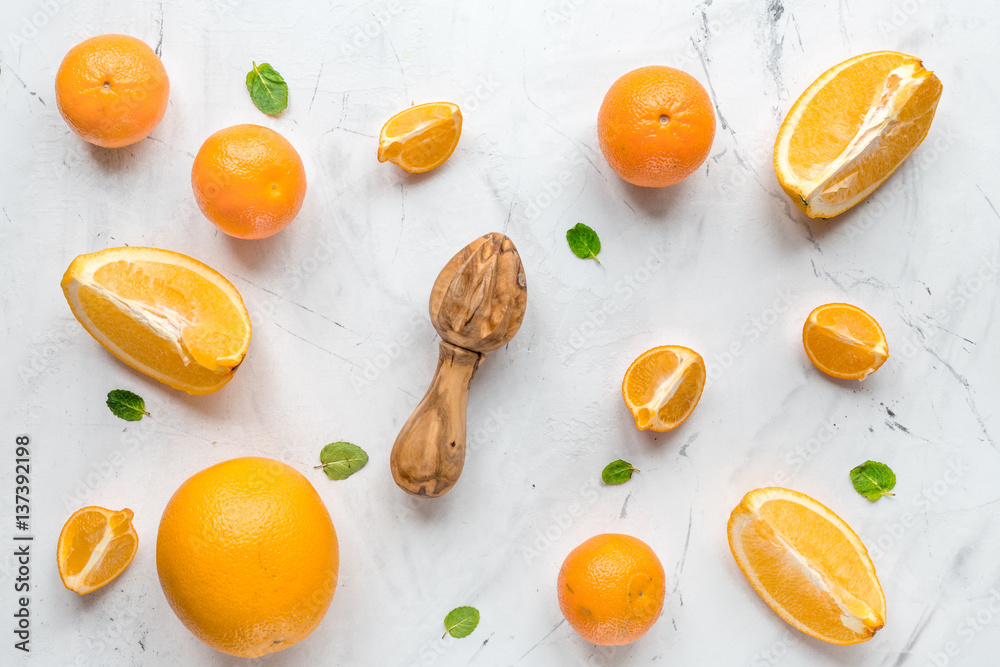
[[249, 181], [247, 556], [656, 126], [112, 90], [611, 589]]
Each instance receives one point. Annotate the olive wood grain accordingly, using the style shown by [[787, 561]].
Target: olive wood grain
[[477, 304]]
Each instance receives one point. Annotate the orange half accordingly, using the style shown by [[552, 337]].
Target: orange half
[[807, 565], [662, 387], [162, 313], [421, 137], [852, 128], [844, 341], [95, 546]]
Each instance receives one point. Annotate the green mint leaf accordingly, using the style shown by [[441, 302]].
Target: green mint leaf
[[584, 242], [873, 480], [126, 405], [340, 460], [618, 472], [267, 89], [460, 622]]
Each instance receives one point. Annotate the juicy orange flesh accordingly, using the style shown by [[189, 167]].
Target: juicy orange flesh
[[421, 137], [792, 585], [174, 292], [664, 369], [102, 541], [836, 112], [845, 340]]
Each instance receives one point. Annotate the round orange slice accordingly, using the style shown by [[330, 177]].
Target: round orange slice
[[844, 341], [851, 128], [662, 387], [807, 565], [95, 546], [162, 313], [421, 137]]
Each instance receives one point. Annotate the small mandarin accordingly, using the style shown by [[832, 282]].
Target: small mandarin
[[656, 126], [112, 90], [249, 181], [611, 589]]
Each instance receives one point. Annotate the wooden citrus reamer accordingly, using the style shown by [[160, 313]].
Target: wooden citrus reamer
[[477, 304]]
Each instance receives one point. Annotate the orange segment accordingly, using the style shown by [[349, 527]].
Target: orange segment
[[852, 128], [95, 546], [421, 137], [808, 565], [662, 387], [162, 313], [844, 341]]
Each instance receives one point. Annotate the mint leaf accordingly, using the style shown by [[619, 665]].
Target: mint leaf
[[584, 242], [618, 472], [340, 460], [267, 89], [460, 622], [873, 480], [126, 405]]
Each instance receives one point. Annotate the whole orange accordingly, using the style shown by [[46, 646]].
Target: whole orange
[[247, 556], [249, 181], [611, 589], [656, 126], [112, 90]]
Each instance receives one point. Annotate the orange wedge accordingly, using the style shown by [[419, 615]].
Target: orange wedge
[[95, 546], [662, 387], [844, 341], [808, 565], [852, 128], [162, 313], [421, 137]]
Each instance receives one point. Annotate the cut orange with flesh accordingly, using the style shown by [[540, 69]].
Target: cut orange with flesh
[[807, 565], [162, 313], [95, 546], [421, 137], [852, 128], [662, 387], [844, 341]]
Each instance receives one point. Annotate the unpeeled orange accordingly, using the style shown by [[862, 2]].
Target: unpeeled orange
[[853, 127], [247, 556], [808, 565], [112, 90], [95, 546], [662, 387], [656, 126], [611, 589], [249, 181]]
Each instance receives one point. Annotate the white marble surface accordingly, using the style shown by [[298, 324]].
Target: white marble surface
[[343, 349]]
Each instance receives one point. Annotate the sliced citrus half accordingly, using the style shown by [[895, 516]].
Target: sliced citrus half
[[808, 565], [421, 137], [95, 546], [852, 128], [844, 341], [662, 387], [162, 313]]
